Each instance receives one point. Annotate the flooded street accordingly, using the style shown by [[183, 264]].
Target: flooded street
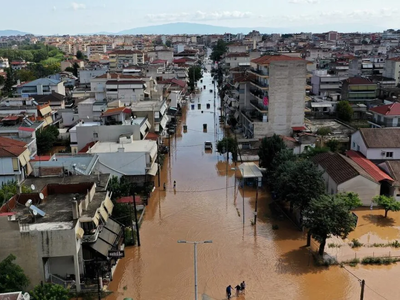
[[207, 205]]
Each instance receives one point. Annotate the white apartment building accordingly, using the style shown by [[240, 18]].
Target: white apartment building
[[392, 69]]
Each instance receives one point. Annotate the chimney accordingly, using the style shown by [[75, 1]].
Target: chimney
[[75, 210]]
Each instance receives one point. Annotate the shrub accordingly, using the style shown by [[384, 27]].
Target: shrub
[[356, 243]]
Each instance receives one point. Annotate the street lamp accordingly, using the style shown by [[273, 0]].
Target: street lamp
[[195, 260]]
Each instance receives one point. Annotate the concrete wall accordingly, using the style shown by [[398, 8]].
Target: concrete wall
[[286, 96], [86, 75], [365, 188], [357, 143], [111, 133]]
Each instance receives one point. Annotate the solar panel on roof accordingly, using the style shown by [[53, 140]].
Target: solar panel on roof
[[37, 211]]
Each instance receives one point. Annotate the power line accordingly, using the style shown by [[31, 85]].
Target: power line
[[358, 278], [376, 292]]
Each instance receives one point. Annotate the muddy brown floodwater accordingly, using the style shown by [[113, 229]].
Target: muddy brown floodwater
[[206, 206]]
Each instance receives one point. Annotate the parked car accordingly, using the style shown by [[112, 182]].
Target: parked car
[[208, 145]]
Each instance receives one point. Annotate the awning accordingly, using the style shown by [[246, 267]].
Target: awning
[[163, 108], [321, 105], [143, 129], [101, 246], [79, 233], [250, 170], [148, 124], [113, 226], [45, 110], [96, 219], [164, 121], [153, 170], [108, 205], [48, 120], [28, 168], [103, 213]]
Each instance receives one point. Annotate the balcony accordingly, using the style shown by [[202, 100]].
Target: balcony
[[259, 84], [253, 115], [259, 73], [258, 106]]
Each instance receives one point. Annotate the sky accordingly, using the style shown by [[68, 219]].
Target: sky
[[50, 17]]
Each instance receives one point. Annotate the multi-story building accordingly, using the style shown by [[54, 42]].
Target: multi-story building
[[392, 69], [324, 84], [96, 49], [4, 63], [358, 89], [41, 86], [385, 115], [278, 95], [120, 59]]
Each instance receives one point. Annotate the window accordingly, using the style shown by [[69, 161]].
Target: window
[[389, 154], [15, 164], [95, 135]]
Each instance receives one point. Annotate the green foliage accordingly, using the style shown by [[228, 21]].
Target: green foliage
[[324, 131], [228, 144], [356, 243], [46, 138], [311, 151], [195, 75], [218, 50], [25, 75], [49, 291], [69, 69], [379, 260], [333, 145], [168, 43], [387, 203], [79, 55], [344, 111], [75, 69], [351, 199], [269, 148], [12, 277], [119, 187], [280, 158], [326, 216], [9, 189], [298, 182], [2, 80], [9, 81]]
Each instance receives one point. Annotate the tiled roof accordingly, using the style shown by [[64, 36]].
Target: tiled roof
[[368, 166], [237, 54], [340, 168], [387, 110], [267, 59], [358, 80], [122, 76], [6, 142], [42, 81], [116, 111], [381, 137], [394, 170]]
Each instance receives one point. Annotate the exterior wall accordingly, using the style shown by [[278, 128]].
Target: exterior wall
[[365, 188], [86, 75], [286, 96], [392, 70], [233, 62], [357, 143], [111, 133], [330, 185]]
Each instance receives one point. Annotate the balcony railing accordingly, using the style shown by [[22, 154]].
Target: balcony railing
[[259, 72], [253, 115], [259, 84], [260, 107]]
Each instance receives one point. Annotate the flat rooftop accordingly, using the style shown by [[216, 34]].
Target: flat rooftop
[[146, 105], [82, 162], [338, 130], [134, 146], [101, 181]]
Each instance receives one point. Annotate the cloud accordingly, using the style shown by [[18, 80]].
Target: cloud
[[77, 6], [199, 16], [54, 8], [303, 1]]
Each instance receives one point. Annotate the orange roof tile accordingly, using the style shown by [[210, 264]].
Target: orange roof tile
[[267, 59]]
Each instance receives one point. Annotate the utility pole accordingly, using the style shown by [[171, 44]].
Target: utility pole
[[362, 289], [256, 208], [158, 164], [136, 220]]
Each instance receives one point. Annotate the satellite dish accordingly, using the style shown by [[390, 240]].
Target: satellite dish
[[34, 212], [41, 196], [28, 203], [33, 187]]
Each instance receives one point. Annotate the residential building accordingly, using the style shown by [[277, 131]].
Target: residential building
[[392, 69], [342, 174], [236, 59], [385, 115], [54, 99], [300, 143], [41, 86], [377, 144], [14, 160], [333, 36], [134, 160], [67, 227], [90, 110], [326, 85], [96, 49], [4, 63], [18, 65], [392, 168], [86, 75], [155, 111], [164, 54], [120, 59], [358, 89], [278, 96], [237, 47]]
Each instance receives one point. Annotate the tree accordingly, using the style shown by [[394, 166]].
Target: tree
[[12, 276], [168, 43], [218, 50], [270, 146], [388, 203], [280, 158], [25, 75], [195, 75], [350, 199], [50, 291], [46, 138], [298, 182], [344, 111], [10, 80], [79, 55], [228, 144], [326, 216], [333, 145], [2, 80], [69, 69], [75, 67], [9, 189]]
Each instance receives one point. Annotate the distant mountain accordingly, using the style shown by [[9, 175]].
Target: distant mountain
[[192, 28], [10, 32]]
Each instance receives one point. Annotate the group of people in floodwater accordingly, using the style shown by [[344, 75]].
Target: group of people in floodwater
[[240, 288]]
